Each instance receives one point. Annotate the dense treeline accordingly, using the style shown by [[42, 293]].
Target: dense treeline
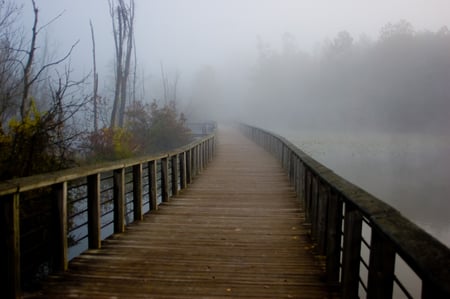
[[399, 82]]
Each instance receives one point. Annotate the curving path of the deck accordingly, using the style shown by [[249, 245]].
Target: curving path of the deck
[[236, 232]]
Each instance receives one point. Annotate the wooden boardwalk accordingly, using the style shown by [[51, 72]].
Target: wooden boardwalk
[[236, 232]]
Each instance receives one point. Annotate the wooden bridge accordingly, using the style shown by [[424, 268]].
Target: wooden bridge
[[233, 222]]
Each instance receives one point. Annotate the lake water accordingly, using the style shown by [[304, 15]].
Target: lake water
[[410, 172]]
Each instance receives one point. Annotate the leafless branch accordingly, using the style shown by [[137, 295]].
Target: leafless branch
[[54, 62]]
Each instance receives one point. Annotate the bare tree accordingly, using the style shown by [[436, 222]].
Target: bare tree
[[122, 16], [41, 144], [165, 84], [10, 63], [169, 88], [95, 92], [25, 104], [28, 77]]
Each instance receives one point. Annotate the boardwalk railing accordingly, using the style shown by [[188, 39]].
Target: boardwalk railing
[[346, 221], [87, 204]]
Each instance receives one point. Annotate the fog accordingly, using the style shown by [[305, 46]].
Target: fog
[[364, 86]]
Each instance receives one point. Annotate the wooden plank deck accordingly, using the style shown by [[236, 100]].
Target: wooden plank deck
[[236, 232]]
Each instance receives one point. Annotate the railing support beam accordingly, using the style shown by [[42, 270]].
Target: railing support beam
[[153, 185], [10, 248], [334, 238], [174, 175], [165, 179], [183, 171], [60, 209], [352, 252], [94, 211], [137, 192], [189, 166], [119, 200], [381, 268]]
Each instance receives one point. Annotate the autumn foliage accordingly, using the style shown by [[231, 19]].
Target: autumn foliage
[[148, 128], [35, 144]]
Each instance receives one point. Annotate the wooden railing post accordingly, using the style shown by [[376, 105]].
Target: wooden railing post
[[94, 211], [119, 200], [296, 174], [301, 181], [60, 209], [193, 162], [137, 192], [308, 194], [314, 207], [211, 149], [183, 171], [174, 175], [381, 267], [201, 154], [334, 238], [322, 217], [206, 152], [165, 179], [189, 166], [196, 160], [430, 291], [352, 252], [153, 185], [10, 248], [203, 149]]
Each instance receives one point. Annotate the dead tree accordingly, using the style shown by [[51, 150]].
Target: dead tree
[[30, 77], [25, 104], [122, 16], [95, 92]]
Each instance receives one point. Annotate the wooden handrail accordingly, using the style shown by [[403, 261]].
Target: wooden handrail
[[186, 162], [331, 202]]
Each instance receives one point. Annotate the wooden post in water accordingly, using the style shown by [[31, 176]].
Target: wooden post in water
[[119, 200], [94, 211], [153, 185], [60, 208], [165, 179], [10, 246], [137, 192]]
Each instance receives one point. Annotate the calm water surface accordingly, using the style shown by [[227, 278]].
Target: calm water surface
[[411, 172]]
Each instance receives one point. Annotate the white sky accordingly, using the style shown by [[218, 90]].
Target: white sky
[[186, 34]]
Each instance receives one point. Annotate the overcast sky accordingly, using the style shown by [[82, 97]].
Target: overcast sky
[[186, 34]]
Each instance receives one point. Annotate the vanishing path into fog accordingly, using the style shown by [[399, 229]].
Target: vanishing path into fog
[[237, 231]]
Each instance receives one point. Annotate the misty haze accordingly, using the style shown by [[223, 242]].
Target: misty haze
[[362, 87]]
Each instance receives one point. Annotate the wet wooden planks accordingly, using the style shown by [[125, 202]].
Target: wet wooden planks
[[236, 232]]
